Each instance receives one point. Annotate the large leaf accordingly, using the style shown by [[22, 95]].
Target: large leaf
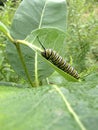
[[36, 14], [70, 107], [32, 15]]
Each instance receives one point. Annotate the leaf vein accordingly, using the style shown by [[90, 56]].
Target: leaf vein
[[40, 23], [70, 108]]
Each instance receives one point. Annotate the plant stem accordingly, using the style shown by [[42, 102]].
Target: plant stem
[[35, 48], [36, 70], [23, 64]]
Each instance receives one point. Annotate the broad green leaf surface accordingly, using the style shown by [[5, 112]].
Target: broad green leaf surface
[[44, 108], [30, 16], [50, 38], [36, 14]]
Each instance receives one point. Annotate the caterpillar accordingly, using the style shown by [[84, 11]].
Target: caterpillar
[[58, 61]]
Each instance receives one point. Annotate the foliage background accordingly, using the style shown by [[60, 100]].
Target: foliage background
[[7, 74], [82, 33]]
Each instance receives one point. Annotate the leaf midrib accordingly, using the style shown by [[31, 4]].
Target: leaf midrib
[[41, 18], [70, 109]]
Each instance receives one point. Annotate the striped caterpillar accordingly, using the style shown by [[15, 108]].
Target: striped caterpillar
[[58, 61]]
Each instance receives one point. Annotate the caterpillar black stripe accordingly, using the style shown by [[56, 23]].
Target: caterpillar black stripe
[[58, 61]]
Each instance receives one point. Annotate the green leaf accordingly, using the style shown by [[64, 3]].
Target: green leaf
[[37, 14], [30, 16], [70, 107]]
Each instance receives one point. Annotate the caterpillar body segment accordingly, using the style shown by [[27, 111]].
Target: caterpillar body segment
[[58, 61]]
